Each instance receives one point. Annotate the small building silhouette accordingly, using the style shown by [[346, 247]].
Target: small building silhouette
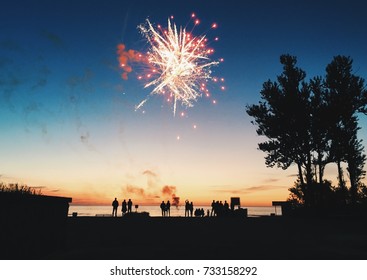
[[235, 201], [34, 226]]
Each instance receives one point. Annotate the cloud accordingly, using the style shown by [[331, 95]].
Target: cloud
[[40, 83], [150, 173], [42, 80], [258, 189], [30, 108], [85, 140], [80, 80], [168, 190], [7, 178], [10, 45], [136, 192], [271, 180], [154, 190], [247, 190], [152, 178], [32, 119], [53, 38], [9, 85], [10, 81]]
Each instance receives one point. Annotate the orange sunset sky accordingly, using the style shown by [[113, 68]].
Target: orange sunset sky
[[68, 118]]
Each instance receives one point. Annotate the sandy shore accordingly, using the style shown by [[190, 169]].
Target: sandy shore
[[214, 238]]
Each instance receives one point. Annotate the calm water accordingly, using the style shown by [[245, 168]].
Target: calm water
[[155, 211]]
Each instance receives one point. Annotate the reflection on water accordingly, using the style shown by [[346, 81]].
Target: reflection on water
[[155, 211]]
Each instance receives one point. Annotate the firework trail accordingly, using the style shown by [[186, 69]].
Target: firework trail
[[179, 63]]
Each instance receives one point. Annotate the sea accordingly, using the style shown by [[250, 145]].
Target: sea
[[155, 211]]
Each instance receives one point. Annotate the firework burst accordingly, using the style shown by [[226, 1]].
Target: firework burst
[[179, 63]]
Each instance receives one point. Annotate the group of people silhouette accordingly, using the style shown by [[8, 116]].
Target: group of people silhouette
[[199, 212], [189, 208], [219, 208], [166, 209], [126, 207]]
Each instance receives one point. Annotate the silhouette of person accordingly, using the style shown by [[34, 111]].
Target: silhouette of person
[[226, 207], [168, 208], [191, 208], [124, 207], [163, 208], [220, 208], [197, 212], [115, 205], [187, 208], [217, 208], [213, 208], [129, 206], [202, 212]]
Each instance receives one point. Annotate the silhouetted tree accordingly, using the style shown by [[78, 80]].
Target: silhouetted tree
[[355, 159], [320, 123], [346, 97], [296, 195], [283, 116], [313, 124]]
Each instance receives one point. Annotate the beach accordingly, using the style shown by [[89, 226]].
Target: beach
[[263, 238], [155, 210]]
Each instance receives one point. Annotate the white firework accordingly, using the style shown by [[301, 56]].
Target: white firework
[[180, 64]]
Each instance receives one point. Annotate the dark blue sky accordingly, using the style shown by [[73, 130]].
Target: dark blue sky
[[62, 98]]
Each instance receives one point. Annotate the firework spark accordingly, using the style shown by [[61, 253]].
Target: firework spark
[[180, 63]]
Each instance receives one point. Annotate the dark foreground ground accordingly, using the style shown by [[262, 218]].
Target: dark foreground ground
[[214, 238]]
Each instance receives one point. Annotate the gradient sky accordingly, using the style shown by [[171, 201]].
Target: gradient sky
[[67, 119]]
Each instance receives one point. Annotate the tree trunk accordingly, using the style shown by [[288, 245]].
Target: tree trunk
[[340, 175], [342, 186], [300, 175], [353, 183], [309, 169], [321, 167]]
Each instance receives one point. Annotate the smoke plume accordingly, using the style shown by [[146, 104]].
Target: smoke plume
[[126, 58], [170, 192]]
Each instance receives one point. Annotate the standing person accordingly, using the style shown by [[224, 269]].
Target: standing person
[[191, 208], [124, 207], [225, 207], [213, 208], [187, 208], [129, 206], [220, 208], [163, 208], [115, 205], [168, 208]]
